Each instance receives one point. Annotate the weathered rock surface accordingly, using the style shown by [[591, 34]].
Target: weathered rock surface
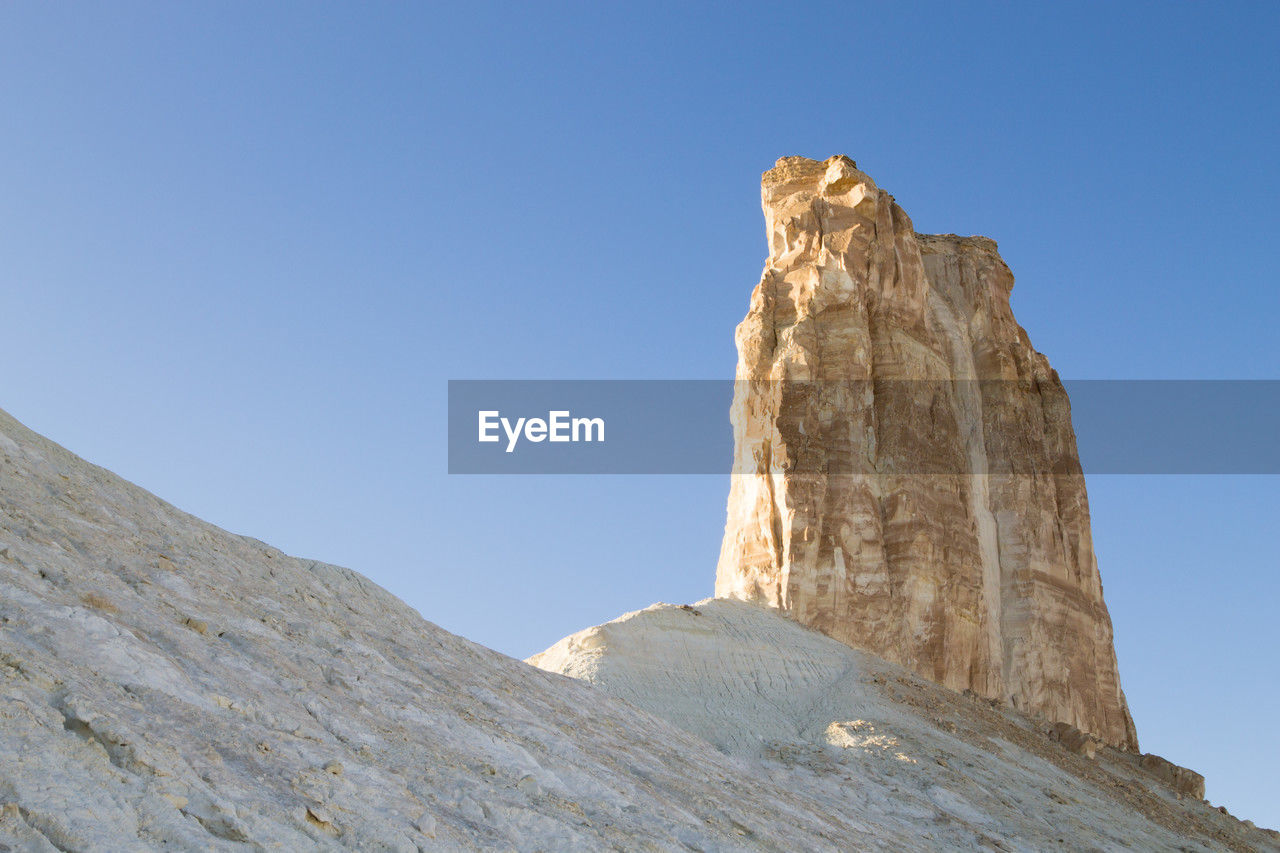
[[165, 684], [906, 475], [883, 750], [1181, 779]]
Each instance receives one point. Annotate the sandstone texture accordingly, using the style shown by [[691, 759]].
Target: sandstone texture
[[906, 477], [897, 760]]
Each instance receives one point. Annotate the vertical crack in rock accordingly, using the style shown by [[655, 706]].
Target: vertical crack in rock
[[906, 476]]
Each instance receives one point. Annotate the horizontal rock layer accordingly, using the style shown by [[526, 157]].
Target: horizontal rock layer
[[854, 377]]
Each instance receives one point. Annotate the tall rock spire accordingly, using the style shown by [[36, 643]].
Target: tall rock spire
[[906, 475]]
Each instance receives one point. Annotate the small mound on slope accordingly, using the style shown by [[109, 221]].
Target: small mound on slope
[[880, 748]]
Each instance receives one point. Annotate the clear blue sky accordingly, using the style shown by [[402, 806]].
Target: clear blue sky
[[245, 245]]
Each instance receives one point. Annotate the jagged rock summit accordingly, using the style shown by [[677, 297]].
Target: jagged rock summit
[[906, 474]]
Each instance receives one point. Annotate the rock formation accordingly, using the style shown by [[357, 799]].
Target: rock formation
[[165, 684], [906, 476]]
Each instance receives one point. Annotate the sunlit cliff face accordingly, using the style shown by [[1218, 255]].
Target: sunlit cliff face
[[885, 497]]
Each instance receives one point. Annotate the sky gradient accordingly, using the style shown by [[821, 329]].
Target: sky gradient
[[245, 247]]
